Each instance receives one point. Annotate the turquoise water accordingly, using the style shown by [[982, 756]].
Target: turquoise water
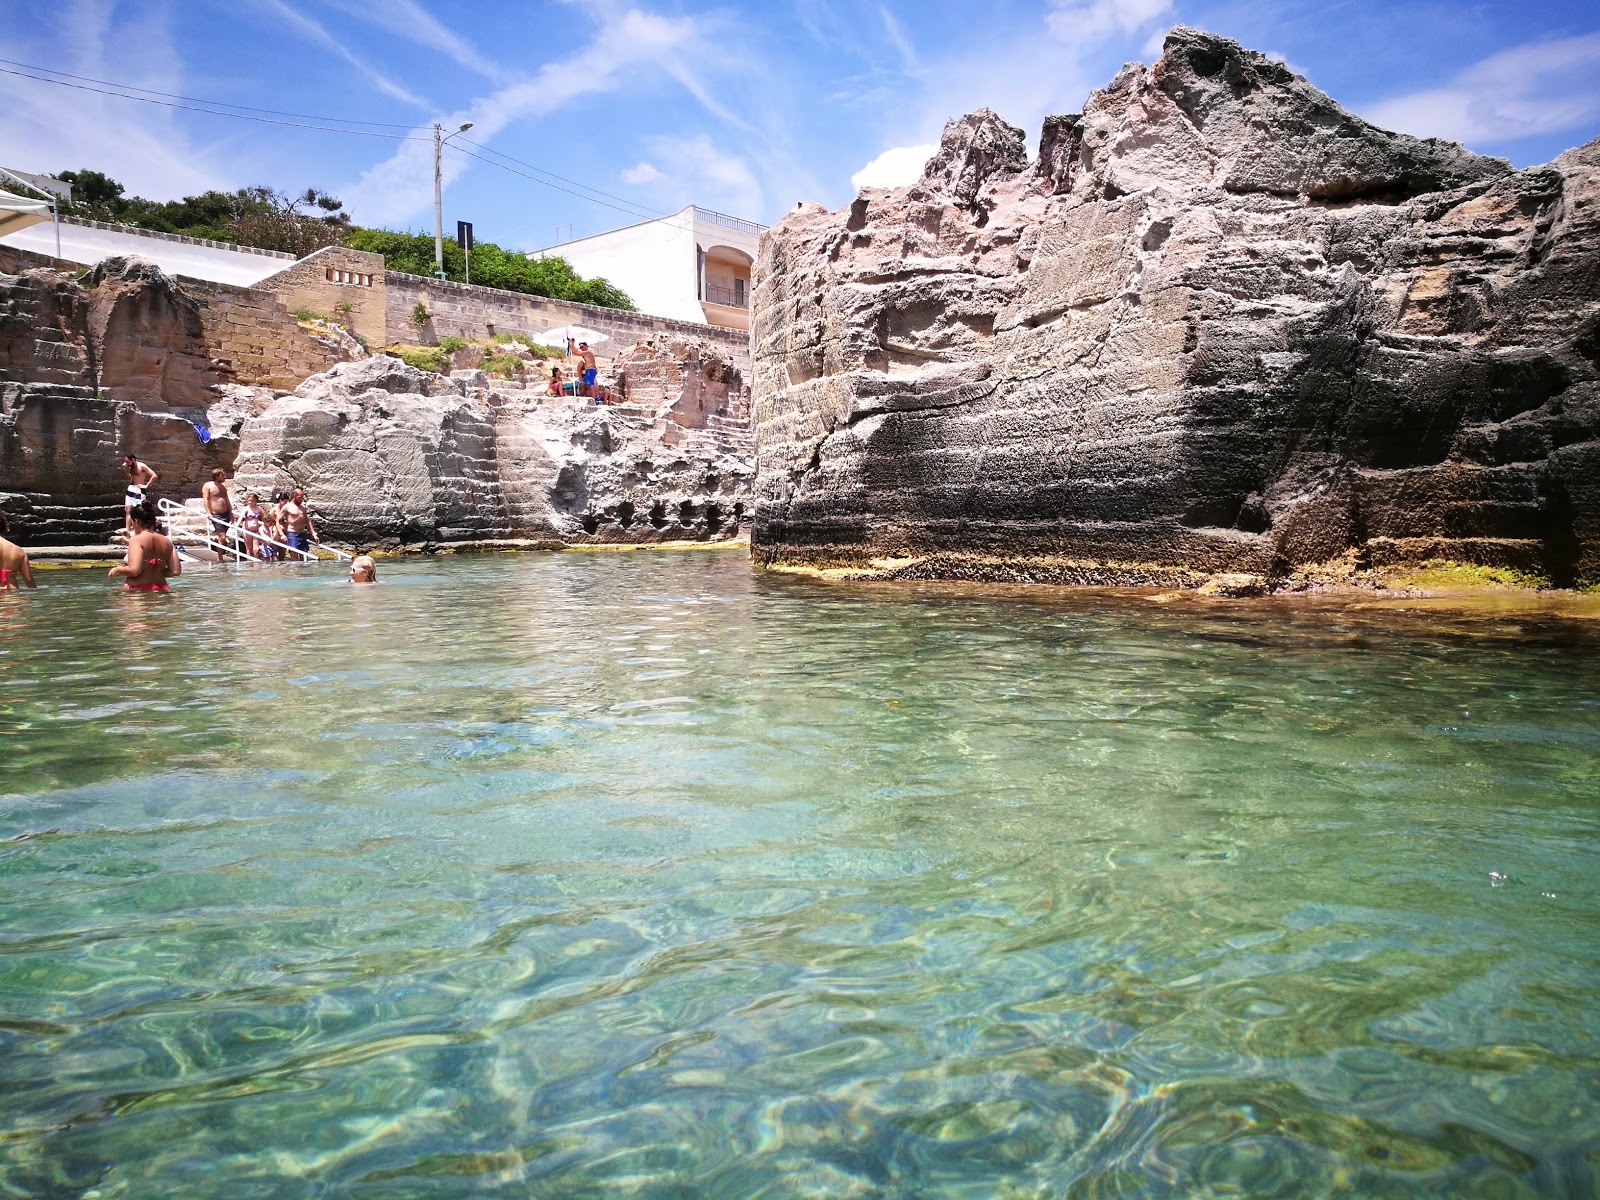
[[598, 875]]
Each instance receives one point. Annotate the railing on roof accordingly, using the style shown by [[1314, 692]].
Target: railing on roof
[[716, 218]]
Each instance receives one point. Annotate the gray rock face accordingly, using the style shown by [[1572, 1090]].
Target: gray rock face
[[389, 454], [1219, 324]]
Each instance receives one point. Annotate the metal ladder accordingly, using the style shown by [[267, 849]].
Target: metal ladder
[[234, 547]]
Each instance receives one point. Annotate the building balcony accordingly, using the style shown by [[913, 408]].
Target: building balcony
[[729, 297]]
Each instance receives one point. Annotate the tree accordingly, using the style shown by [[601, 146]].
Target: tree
[[95, 194]]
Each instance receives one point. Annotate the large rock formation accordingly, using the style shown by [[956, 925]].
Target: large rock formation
[[1218, 324], [393, 455], [88, 370]]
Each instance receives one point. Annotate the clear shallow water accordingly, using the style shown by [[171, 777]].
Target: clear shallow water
[[589, 875]]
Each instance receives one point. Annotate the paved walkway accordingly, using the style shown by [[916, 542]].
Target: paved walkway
[[82, 244]]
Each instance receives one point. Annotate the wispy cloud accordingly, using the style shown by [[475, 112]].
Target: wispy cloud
[[1536, 88], [1071, 19], [641, 174], [625, 44], [698, 169], [410, 20], [317, 34], [49, 130], [899, 39]]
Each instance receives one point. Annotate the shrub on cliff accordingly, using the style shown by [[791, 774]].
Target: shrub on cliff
[[492, 266]]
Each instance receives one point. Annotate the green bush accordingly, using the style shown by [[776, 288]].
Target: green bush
[[451, 344], [503, 365], [424, 358], [536, 348], [419, 314], [492, 266], [308, 314]]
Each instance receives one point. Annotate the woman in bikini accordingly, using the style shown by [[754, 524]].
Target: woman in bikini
[[254, 524], [152, 558]]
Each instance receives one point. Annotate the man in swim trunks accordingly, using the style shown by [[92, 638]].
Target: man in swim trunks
[[152, 558], [585, 358], [299, 531], [13, 562], [140, 476], [219, 505]]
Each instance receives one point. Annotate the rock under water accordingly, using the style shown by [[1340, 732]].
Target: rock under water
[[1218, 324]]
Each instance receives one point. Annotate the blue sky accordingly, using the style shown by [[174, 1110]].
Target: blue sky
[[743, 106]]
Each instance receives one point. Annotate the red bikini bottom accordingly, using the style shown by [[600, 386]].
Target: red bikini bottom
[[147, 587]]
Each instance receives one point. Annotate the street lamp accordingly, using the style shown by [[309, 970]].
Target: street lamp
[[439, 139]]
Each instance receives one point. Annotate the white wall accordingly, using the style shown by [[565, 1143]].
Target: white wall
[[653, 262], [84, 244]]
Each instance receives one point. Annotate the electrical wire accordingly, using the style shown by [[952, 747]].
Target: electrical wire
[[394, 137], [128, 87], [618, 203], [540, 170]]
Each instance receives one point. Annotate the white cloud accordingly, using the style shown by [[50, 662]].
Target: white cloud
[[408, 19], [1083, 19], [899, 39], [895, 167], [642, 173], [1155, 43], [709, 175], [401, 187], [313, 31], [142, 146], [1535, 88]]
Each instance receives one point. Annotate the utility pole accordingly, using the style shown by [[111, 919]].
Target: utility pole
[[439, 139]]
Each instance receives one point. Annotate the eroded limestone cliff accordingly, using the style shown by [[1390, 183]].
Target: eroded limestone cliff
[[1217, 324], [392, 455]]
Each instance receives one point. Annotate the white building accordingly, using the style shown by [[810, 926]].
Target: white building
[[693, 265]]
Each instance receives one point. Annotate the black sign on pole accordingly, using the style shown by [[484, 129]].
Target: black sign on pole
[[464, 240]]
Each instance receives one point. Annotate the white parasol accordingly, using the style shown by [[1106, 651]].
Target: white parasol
[[18, 212], [558, 336]]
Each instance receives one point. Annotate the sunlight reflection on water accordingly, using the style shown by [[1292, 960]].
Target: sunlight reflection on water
[[644, 874]]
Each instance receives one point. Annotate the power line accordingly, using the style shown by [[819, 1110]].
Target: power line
[[646, 215], [238, 116], [626, 207], [564, 179], [128, 87]]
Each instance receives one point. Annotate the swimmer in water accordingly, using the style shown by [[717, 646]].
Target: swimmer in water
[[363, 569], [13, 562], [152, 558]]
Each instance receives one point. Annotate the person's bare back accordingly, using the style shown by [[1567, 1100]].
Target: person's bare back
[[152, 558], [13, 562]]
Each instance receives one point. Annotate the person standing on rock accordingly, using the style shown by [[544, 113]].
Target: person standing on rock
[[152, 558], [299, 530], [585, 357], [219, 505], [140, 476], [13, 562]]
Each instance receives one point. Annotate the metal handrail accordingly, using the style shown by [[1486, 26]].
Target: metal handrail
[[240, 533], [715, 218], [731, 297]]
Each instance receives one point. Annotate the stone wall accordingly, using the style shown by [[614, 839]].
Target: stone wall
[[469, 311], [332, 276], [255, 339]]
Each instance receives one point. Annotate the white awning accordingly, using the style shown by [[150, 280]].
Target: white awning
[[18, 212]]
